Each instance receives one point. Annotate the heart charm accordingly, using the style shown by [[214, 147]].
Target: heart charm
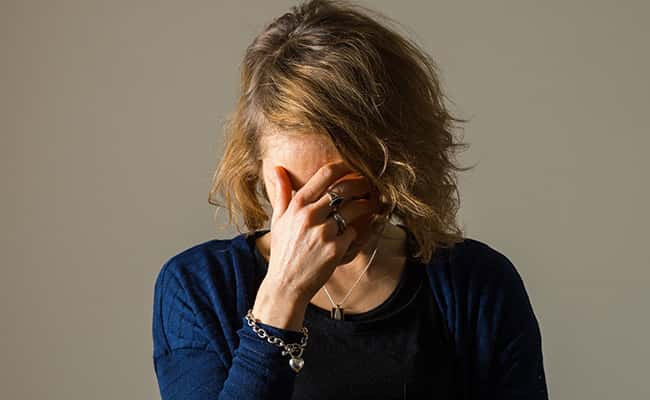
[[296, 364]]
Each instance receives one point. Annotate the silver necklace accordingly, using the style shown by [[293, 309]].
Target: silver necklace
[[337, 309]]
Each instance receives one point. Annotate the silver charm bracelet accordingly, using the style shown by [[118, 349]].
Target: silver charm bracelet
[[293, 349]]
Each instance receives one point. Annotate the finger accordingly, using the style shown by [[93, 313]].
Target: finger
[[351, 187], [321, 180], [350, 212], [282, 188], [348, 235], [352, 193], [356, 209]]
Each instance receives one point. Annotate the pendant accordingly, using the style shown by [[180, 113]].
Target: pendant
[[296, 363], [337, 313]]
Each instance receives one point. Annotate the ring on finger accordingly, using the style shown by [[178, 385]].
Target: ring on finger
[[335, 200], [340, 222]]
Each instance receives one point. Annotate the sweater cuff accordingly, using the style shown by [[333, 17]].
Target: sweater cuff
[[251, 340], [259, 370]]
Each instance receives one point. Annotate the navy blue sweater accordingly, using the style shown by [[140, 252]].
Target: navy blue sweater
[[204, 349]]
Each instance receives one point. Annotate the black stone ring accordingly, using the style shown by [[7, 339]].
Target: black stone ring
[[335, 200]]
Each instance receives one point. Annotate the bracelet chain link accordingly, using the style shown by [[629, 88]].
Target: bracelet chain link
[[295, 350]]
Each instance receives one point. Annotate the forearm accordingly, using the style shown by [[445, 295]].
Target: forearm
[[259, 370], [279, 307]]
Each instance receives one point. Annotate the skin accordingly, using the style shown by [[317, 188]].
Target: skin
[[297, 267]]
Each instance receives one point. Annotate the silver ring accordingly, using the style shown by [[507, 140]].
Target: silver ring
[[340, 222], [335, 200]]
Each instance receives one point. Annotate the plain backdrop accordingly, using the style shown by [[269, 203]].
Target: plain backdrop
[[111, 126]]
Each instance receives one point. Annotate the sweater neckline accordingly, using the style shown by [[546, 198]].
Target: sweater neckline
[[364, 321]]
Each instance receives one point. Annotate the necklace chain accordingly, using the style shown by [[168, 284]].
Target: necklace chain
[[355, 283], [334, 304]]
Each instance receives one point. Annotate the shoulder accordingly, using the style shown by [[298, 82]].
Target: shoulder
[[196, 293], [475, 280], [206, 274], [222, 258], [197, 259], [188, 269], [493, 320], [475, 260]]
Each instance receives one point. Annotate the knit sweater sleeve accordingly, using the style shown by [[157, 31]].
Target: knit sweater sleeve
[[499, 333], [519, 363], [189, 366]]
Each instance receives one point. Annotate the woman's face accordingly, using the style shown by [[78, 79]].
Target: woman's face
[[302, 156]]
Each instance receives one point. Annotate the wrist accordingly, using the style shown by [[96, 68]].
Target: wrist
[[279, 307]]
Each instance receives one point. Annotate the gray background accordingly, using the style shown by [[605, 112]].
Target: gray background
[[111, 127]]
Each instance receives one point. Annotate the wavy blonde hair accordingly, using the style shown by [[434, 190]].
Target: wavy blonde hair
[[332, 68]]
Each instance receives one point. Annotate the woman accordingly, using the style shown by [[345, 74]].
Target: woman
[[363, 287]]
